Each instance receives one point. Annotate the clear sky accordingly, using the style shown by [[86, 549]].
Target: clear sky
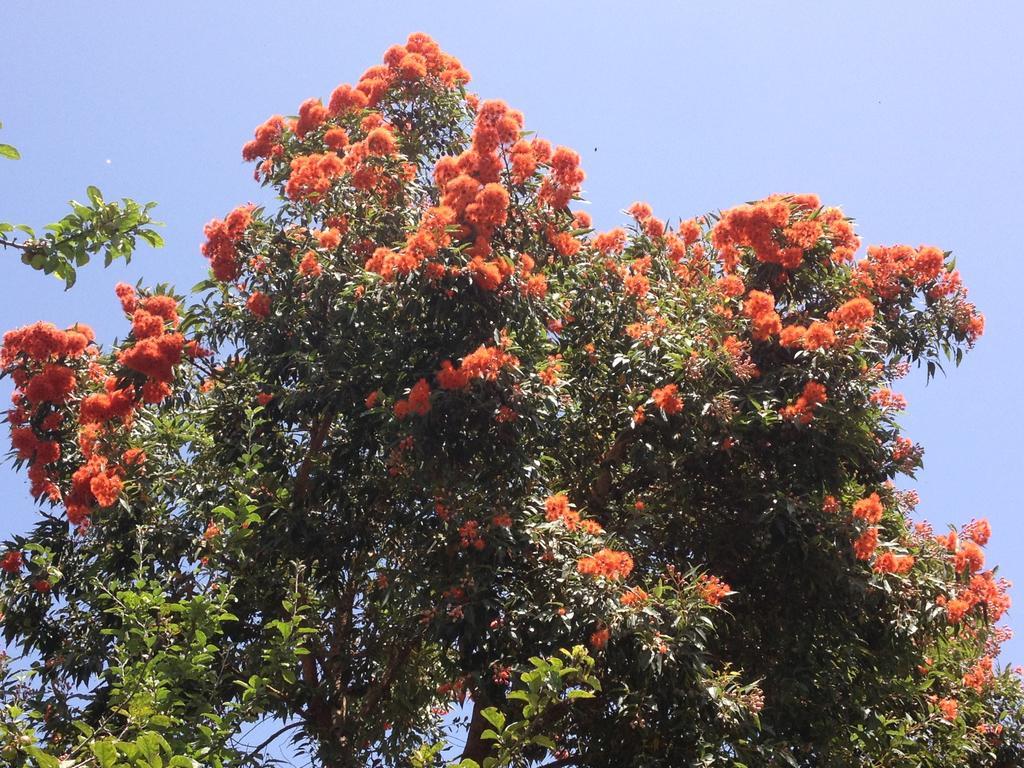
[[907, 114]]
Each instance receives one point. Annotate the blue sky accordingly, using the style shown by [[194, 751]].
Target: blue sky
[[906, 114]]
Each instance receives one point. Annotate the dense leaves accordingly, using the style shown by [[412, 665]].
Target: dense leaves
[[426, 439]]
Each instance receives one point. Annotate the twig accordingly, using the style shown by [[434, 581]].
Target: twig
[[269, 740]]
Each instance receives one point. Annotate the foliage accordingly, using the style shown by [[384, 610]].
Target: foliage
[[99, 226], [425, 437]]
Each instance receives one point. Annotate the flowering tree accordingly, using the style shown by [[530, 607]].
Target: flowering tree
[[426, 439]]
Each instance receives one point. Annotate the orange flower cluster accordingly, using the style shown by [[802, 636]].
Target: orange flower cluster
[[111, 405], [312, 176], [258, 304], [470, 536], [980, 675], [470, 186], [419, 59], [760, 308], [312, 114], [483, 363], [978, 531], [984, 590], [12, 562], [667, 398], [565, 179], [869, 510], [854, 315], [636, 282], [968, 557], [712, 589], [607, 563], [633, 597], [781, 229], [886, 398], [310, 265], [731, 286], [817, 336], [98, 481], [418, 401], [40, 343], [610, 243], [222, 239], [599, 638], [154, 357], [551, 372], [887, 562], [802, 409], [891, 270], [266, 141], [755, 227], [423, 243], [864, 546], [949, 708], [44, 363], [557, 508], [644, 216]]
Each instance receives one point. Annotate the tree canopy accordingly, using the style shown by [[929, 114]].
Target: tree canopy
[[431, 472]]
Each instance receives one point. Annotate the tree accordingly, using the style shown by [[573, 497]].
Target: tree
[[426, 438]]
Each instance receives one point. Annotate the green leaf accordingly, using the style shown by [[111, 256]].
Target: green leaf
[[105, 752], [495, 717], [42, 759], [151, 237], [94, 195], [6, 150], [580, 694]]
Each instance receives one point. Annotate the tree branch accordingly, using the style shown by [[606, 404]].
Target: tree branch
[[5, 243], [601, 486], [476, 748], [270, 740]]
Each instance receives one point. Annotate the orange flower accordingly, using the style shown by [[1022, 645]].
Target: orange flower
[[969, 557], [12, 562], [419, 398], [609, 563], [312, 175], [760, 308], [381, 141], [633, 597], [310, 265], [731, 286], [557, 508], [258, 304], [793, 336], [312, 115], [712, 589], [328, 239], [869, 510], [266, 139], [667, 398], [956, 609], [949, 708], [978, 531], [802, 409], [887, 562], [819, 336], [599, 639], [866, 544], [854, 314], [106, 487]]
